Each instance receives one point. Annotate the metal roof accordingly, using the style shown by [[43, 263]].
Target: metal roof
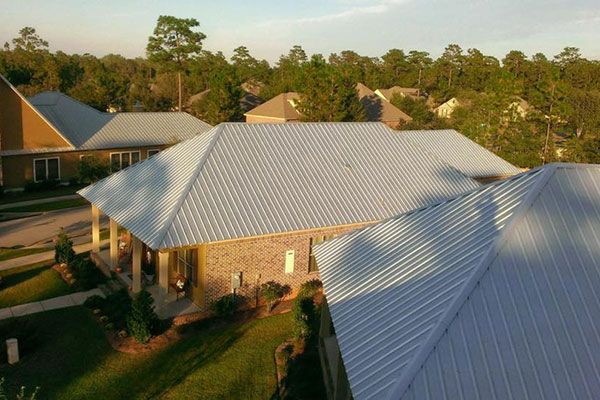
[[87, 128], [462, 153], [493, 294], [242, 180]]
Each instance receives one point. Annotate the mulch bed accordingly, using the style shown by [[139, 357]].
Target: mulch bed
[[65, 273]]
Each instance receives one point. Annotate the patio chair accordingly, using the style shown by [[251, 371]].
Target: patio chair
[[179, 284]]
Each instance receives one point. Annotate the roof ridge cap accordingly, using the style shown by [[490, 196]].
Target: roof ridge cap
[[169, 221], [403, 382]]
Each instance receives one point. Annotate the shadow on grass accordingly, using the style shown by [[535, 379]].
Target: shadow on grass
[[14, 279]]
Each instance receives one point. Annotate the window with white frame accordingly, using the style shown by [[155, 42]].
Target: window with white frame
[[152, 152], [118, 161], [46, 169]]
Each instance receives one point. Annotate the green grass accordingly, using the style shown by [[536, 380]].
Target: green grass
[[55, 205], [12, 197], [29, 283], [69, 358], [9, 253]]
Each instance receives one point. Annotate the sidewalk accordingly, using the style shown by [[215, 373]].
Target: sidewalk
[[46, 256], [69, 300], [39, 201]]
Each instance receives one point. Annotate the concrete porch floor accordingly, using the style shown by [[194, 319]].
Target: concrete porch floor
[[167, 307]]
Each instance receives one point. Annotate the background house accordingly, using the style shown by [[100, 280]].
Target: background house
[[45, 137], [244, 203], [279, 109], [446, 109], [379, 110], [491, 294], [388, 94]]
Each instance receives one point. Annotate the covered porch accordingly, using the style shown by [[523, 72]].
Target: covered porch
[[139, 267]]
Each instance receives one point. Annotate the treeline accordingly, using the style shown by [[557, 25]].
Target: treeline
[[562, 93]]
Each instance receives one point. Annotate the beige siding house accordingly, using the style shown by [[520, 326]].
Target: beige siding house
[[446, 109], [43, 138]]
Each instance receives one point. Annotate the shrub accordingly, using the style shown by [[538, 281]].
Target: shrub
[[142, 320], [91, 170], [117, 306], [86, 275], [310, 288], [225, 306], [63, 248], [94, 302], [31, 186], [271, 291], [304, 316]]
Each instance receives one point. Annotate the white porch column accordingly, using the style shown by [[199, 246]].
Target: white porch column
[[163, 273], [136, 264], [114, 244], [95, 229]]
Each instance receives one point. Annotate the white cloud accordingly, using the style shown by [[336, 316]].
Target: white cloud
[[379, 7]]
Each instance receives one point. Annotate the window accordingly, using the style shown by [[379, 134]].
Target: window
[[186, 264], [289, 261], [312, 262], [118, 161], [152, 152], [46, 169]]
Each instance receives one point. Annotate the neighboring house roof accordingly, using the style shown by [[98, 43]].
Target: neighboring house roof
[[280, 107], [378, 109], [387, 94], [462, 153], [248, 101], [243, 180], [449, 104], [87, 128], [492, 294]]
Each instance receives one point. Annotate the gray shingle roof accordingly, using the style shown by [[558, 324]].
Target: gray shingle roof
[[242, 180], [493, 294], [462, 153], [88, 128]]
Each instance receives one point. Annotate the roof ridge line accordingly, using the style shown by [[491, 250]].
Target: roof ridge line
[[403, 382], [217, 136], [35, 110]]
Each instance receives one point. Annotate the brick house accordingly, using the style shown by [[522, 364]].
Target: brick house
[[244, 203], [44, 137]]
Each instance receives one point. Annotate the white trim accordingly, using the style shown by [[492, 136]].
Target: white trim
[[46, 160], [120, 153], [148, 155]]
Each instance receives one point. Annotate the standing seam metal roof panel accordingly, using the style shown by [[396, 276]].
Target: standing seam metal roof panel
[[388, 285], [256, 179], [462, 153], [531, 328]]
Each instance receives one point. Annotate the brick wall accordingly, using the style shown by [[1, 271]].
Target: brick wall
[[260, 260]]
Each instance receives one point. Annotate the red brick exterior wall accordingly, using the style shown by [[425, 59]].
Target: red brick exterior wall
[[261, 260]]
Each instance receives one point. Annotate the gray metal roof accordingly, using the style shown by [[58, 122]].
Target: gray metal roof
[[87, 128], [493, 294], [242, 180], [462, 153]]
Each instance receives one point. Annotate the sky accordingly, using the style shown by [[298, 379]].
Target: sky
[[271, 28]]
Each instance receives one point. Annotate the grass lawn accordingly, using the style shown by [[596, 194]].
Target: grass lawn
[[55, 205], [31, 283], [12, 197], [69, 358], [7, 253]]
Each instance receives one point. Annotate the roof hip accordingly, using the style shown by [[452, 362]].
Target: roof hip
[[407, 376]]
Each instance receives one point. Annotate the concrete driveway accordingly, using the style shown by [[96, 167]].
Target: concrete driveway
[[42, 229]]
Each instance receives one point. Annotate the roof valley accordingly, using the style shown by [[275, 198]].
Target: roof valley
[[409, 372]]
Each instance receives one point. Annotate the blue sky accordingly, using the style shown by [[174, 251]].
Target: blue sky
[[270, 28]]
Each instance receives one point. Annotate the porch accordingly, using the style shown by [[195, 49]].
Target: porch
[[125, 257]]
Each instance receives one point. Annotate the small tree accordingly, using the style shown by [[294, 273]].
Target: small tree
[[303, 314], [91, 169], [142, 320], [271, 291], [63, 248]]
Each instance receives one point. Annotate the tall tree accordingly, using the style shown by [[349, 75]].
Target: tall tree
[[173, 44], [419, 60], [329, 95], [222, 103], [28, 40]]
